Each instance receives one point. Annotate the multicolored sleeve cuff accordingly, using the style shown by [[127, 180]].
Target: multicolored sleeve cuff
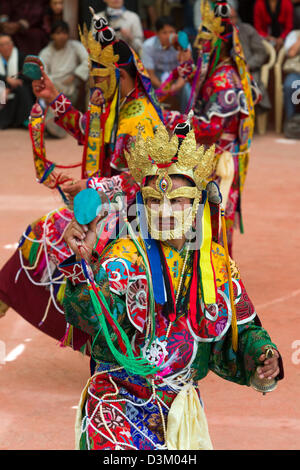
[[74, 272], [60, 105]]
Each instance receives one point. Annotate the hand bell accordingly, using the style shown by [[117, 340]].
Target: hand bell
[[264, 385]]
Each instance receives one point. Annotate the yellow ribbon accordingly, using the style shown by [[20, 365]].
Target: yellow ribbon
[[206, 266], [230, 284]]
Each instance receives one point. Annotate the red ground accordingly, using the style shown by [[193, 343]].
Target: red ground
[[40, 387]]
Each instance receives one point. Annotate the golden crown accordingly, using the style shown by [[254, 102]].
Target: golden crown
[[211, 25], [172, 155], [101, 55]]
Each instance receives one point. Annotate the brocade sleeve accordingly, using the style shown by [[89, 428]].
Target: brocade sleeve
[[239, 366], [80, 311]]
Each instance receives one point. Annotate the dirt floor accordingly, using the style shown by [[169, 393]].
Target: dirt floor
[[40, 383]]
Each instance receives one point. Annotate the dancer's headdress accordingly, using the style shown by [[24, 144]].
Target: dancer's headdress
[[215, 22], [107, 52], [163, 157]]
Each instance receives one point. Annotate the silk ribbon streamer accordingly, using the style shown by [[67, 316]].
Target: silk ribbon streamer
[[208, 279]]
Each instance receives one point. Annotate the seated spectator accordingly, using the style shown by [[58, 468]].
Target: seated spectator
[[255, 54], [53, 13], [67, 64], [296, 4], [160, 57], [147, 14], [291, 68], [23, 21], [66, 61], [127, 24], [273, 20], [15, 109]]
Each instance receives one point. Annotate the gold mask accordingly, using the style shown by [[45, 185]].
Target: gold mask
[[210, 28], [178, 221], [104, 79]]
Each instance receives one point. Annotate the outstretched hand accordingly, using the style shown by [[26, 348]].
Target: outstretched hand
[[81, 238], [270, 367], [97, 98], [44, 88], [71, 188]]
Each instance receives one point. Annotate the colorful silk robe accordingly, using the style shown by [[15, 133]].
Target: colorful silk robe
[[42, 246], [32, 271], [219, 115], [136, 113], [125, 411]]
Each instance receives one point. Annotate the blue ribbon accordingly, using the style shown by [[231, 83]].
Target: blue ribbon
[[152, 253]]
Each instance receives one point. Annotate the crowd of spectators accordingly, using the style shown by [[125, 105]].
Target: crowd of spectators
[[39, 28]]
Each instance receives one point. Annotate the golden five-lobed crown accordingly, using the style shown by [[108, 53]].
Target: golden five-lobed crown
[[211, 25], [151, 155], [104, 56]]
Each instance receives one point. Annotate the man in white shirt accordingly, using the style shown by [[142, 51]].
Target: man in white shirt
[[67, 64], [126, 24], [66, 61], [16, 97]]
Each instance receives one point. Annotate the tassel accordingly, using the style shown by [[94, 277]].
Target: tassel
[[67, 339], [42, 265], [152, 250], [33, 252], [233, 319], [133, 365], [171, 302], [147, 272], [217, 56], [194, 291], [61, 293], [97, 298]]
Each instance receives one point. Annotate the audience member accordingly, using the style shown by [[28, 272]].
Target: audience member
[[15, 109], [160, 57], [291, 68], [53, 13], [23, 21], [66, 61], [67, 64], [255, 54], [296, 4], [273, 19], [127, 24], [147, 14]]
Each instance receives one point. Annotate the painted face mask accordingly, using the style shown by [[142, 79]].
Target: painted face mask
[[102, 59], [164, 157], [167, 220], [104, 79]]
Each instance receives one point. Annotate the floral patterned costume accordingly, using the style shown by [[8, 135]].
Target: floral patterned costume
[[41, 248], [219, 114], [121, 410]]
